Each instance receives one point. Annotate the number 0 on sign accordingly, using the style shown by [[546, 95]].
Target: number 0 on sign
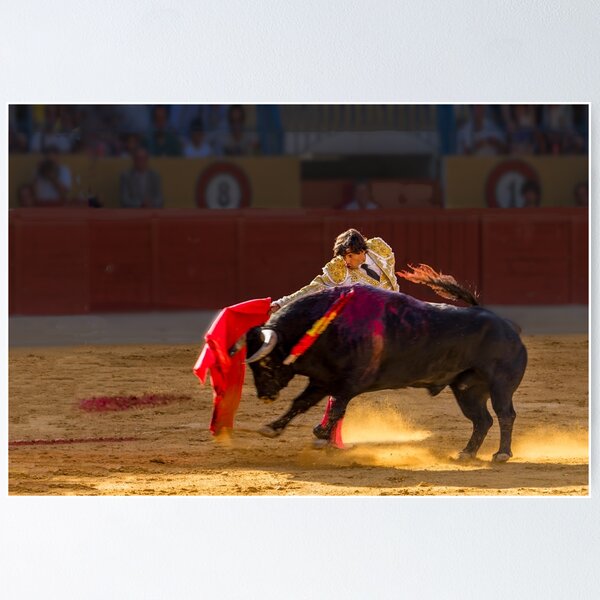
[[503, 186], [223, 186]]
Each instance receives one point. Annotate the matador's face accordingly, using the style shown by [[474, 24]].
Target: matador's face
[[355, 259]]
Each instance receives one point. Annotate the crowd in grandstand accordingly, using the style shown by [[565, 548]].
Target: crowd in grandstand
[[192, 130], [118, 130], [524, 129], [143, 132]]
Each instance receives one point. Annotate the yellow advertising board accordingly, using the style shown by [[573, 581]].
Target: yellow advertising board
[[498, 181], [269, 182]]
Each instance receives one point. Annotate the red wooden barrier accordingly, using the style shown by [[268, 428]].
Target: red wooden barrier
[[526, 261], [12, 281], [580, 261], [278, 254], [121, 269], [76, 261], [449, 242], [51, 263], [197, 258]]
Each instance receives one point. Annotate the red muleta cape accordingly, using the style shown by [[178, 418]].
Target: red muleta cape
[[227, 372]]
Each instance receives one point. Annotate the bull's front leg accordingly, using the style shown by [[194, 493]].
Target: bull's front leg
[[308, 398]]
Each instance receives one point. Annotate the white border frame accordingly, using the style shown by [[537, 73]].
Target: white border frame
[[334, 51]]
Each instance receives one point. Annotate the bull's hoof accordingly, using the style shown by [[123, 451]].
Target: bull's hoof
[[270, 432], [466, 455], [321, 433], [501, 457]]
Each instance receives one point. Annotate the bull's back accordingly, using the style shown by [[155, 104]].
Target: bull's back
[[386, 339], [429, 345]]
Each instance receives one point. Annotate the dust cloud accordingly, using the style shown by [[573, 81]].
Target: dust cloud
[[552, 444], [379, 425], [381, 436]]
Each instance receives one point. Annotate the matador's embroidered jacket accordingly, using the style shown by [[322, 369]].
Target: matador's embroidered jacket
[[335, 272]]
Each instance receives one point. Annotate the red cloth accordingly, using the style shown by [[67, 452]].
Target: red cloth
[[227, 372]]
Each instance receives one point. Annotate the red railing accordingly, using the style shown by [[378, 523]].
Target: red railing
[[73, 261]]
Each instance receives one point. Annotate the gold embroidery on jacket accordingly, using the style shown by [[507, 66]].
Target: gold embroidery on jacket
[[379, 247], [336, 269], [383, 257], [335, 272]]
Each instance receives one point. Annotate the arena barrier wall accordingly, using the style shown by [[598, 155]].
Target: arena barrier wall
[[76, 261]]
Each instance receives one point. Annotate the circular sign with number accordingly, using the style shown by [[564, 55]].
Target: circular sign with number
[[503, 186], [223, 185]]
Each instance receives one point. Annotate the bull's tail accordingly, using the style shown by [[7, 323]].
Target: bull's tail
[[443, 285]]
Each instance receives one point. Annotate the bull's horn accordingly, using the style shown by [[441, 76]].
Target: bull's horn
[[269, 338]]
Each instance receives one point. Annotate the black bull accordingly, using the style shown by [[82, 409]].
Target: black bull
[[388, 340]]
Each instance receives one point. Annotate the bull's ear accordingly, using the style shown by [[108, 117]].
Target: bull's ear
[[269, 338], [237, 346]]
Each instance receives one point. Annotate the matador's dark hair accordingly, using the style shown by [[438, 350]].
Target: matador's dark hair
[[349, 241]]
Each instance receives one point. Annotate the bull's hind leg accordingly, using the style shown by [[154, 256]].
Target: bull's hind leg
[[472, 400], [308, 398], [503, 407], [330, 428], [336, 410]]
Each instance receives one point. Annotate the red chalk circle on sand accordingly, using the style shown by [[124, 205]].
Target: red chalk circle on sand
[[112, 403]]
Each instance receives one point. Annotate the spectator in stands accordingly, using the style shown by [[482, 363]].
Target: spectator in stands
[[581, 120], [99, 131], [140, 187], [56, 130], [521, 122], [26, 196], [480, 135], [17, 140], [53, 180], [237, 141], [197, 146], [214, 119], [130, 143], [581, 194], [162, 140], [362, 197], [181, 117], [270, 129], [19, 126], [560, 134], [132, 118], [531, 193]]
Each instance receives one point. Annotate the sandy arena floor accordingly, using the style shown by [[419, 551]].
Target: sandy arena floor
[[404, 442]]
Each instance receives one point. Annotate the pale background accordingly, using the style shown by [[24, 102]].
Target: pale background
[[334, 51]]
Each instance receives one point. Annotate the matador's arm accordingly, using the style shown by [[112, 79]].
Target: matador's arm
[[334, 273]]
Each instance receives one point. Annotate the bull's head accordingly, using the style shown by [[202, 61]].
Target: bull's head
[[265, 357]]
